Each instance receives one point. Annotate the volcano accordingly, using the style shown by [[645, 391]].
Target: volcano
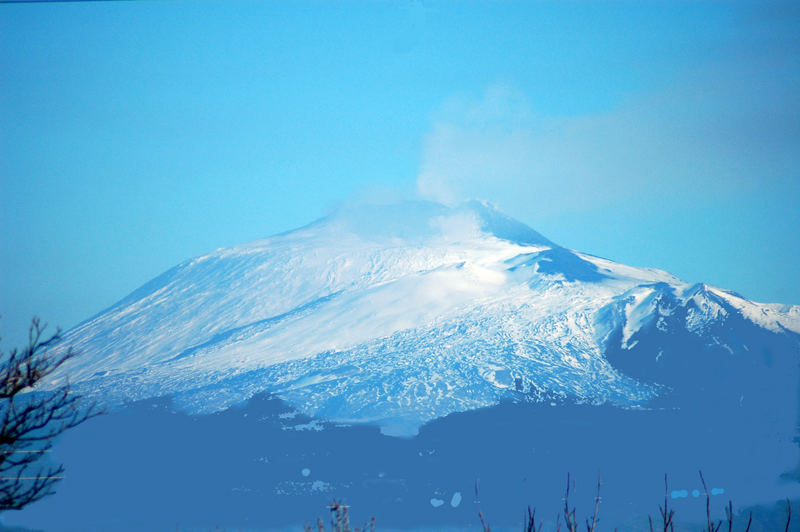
[[393, 354], [400, 314]]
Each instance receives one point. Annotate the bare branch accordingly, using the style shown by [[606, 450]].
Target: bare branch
[[596, 508], [30, 419], [788, 514]]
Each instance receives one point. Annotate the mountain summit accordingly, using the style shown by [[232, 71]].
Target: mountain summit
[[399, 314]]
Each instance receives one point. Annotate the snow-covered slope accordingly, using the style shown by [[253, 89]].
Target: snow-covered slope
[[394, 315]]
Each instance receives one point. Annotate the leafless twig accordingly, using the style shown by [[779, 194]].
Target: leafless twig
[[31, 419]]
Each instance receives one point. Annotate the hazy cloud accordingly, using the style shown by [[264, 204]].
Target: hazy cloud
[[714, 131]]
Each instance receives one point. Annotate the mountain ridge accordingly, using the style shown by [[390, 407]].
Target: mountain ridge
[[433, 309]]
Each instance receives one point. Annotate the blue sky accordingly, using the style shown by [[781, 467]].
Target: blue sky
[[134, 135]]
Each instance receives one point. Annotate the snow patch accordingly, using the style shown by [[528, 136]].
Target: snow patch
[[455, 500]]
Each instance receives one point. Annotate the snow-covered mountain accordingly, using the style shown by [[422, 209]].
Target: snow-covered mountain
[[400, 314]]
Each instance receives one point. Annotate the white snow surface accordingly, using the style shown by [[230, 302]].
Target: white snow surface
[[394, 315]]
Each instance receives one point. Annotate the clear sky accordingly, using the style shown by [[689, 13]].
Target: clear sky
[[134, 135]]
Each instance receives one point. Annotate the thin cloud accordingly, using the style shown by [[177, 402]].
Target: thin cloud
[[716, 131]]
